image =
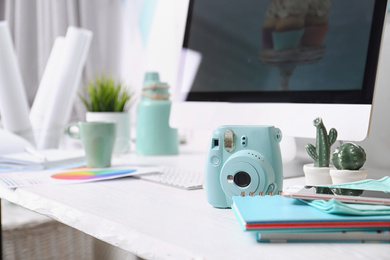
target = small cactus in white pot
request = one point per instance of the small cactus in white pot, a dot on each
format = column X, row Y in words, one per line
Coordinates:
column 317, row 173
column 348, row 160
column 321, row 152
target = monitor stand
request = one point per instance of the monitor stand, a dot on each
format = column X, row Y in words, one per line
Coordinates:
column 294, row 155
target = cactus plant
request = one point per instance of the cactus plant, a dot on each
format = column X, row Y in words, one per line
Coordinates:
column 349, row 156
column 321, row 152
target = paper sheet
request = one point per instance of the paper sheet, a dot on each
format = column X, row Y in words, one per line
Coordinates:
column 65, row 84
column 68, row 176
column 46, row 89
column 14, row 107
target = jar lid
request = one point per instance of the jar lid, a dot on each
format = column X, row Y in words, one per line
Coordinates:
column 153, row 88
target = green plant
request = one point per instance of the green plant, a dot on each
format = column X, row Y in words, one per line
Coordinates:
column 104, row 95
column 321, row 152
column 349, row 156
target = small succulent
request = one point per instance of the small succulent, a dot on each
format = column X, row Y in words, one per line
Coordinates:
column 321, row 152
column 349, row 156
column 104, row 95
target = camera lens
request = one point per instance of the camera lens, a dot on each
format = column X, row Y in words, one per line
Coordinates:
column 242, row 179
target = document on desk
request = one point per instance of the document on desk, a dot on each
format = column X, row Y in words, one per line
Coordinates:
column 44, row 159
column 68, row 176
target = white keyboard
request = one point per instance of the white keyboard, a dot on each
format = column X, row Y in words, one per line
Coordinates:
column 176, row 177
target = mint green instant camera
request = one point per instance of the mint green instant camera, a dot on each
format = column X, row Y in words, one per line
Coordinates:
column 243, row 161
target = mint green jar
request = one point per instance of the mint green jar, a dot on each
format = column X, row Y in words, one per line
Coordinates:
column 154, row 136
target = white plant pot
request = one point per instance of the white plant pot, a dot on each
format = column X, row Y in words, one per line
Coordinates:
column 316, row 175
column 345, row 176
column 122, row 120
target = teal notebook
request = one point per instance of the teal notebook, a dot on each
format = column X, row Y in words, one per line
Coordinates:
column 280, row 214
column 374, row 236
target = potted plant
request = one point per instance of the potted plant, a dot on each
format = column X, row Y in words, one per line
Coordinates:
column 108, row 100
column 348, row 160
column 318, row 172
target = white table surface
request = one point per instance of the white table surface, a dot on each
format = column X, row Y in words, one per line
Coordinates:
column 154, row 221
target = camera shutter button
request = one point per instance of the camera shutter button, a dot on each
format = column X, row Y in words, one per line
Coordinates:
column 215, row 160
column 278, row 134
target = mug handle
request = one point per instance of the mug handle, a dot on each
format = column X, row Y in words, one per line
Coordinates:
column 70, row 133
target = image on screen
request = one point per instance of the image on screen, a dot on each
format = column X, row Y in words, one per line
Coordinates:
column 322, row 51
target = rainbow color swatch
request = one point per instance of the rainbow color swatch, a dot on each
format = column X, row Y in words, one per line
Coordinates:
column 85, row 174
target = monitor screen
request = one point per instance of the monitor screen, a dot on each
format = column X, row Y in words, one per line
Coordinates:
column 294, row 51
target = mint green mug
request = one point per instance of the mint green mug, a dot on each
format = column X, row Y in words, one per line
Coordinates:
column 98, row 139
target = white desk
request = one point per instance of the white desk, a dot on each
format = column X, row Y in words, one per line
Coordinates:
column 159, row 222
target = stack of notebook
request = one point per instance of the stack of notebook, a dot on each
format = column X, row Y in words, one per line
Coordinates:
column 280, row 219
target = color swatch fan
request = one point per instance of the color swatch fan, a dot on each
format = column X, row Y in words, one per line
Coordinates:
column 90, row 174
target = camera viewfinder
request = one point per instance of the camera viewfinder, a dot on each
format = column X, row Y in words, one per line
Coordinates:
column 215, row 143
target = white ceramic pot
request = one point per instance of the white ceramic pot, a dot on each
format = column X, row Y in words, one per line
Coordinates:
column 316, row 175
column 344, row 176
column 122, row 120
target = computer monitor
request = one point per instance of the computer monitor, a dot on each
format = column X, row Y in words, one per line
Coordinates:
column 238, row 67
